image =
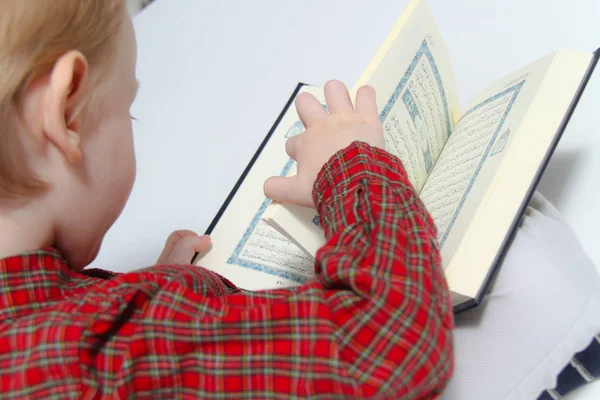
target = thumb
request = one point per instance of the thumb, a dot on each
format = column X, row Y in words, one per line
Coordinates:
column 172, row 241
column 286, row 190
column 187, row 247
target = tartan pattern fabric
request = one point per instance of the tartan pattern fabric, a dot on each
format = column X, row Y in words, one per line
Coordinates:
column 375, row 322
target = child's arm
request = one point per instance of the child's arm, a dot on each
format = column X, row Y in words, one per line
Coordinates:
column 378, row 318
column 380, row 307
column 381, row 274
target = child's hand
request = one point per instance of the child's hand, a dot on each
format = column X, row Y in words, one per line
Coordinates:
column 325, row 135
column 181, row 247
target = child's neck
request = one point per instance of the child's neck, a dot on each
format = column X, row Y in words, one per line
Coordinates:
column 22, row 230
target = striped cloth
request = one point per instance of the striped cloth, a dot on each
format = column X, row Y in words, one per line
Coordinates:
column 583, row 368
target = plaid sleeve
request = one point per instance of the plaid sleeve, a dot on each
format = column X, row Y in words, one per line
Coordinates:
column 393, row 318
column 375, row 323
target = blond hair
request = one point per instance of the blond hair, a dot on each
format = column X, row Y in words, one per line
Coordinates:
column 34, row 34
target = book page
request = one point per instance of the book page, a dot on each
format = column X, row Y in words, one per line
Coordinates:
column 516, row 173
column 480, row 136
column 300, row 224
column 418, row 104
column 519, row 115
column 416, row 92
column 246, row 250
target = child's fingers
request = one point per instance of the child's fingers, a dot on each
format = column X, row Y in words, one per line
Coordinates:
column 172, row 241
column 338, row 98
column 286, row 190
column 290, row 146
column 366, row 102
column 177, row 235
column 309, row 109
column 187, row 247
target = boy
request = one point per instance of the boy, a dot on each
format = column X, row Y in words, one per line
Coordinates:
column 375, row 322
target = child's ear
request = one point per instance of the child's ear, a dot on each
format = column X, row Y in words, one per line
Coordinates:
column 64, row 101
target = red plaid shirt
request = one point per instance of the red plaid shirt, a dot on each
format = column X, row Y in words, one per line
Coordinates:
column 375, row 321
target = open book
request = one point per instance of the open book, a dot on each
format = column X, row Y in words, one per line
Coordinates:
column 475, row 171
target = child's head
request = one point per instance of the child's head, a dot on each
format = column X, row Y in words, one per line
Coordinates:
column 67, row 81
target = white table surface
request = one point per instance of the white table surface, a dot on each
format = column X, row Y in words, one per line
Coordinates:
column 215, row 74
